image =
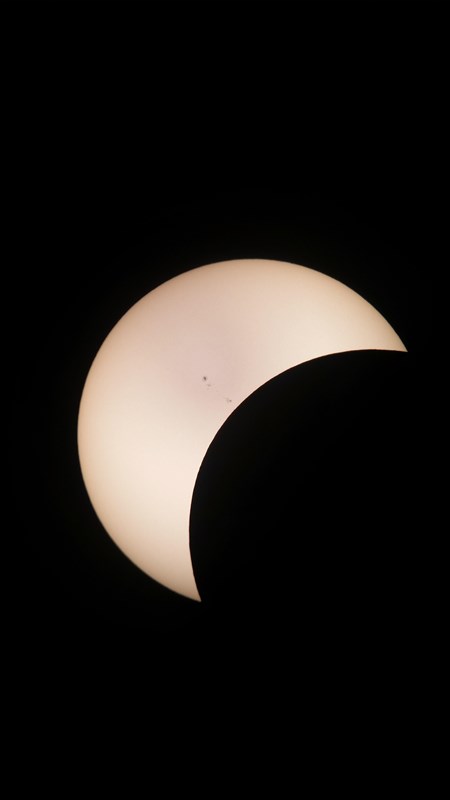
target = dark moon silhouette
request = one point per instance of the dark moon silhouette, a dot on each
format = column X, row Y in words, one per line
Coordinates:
column 305, row 500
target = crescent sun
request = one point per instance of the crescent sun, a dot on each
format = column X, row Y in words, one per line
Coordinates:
column 175, row 367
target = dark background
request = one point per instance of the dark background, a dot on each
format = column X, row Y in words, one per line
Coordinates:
column 146, row 141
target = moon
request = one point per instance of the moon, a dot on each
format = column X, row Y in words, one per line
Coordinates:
column 175, row 367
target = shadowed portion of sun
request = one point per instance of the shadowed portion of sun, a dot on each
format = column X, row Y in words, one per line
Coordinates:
column 172, row 371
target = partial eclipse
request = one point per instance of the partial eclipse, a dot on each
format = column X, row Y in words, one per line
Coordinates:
column 172, row 371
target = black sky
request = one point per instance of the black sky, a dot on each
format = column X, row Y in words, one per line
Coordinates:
column 146, row 141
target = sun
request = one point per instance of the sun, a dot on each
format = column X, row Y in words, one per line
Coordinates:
column 172, row 371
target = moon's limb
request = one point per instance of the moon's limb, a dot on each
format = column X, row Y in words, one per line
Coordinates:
column 176, row 366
